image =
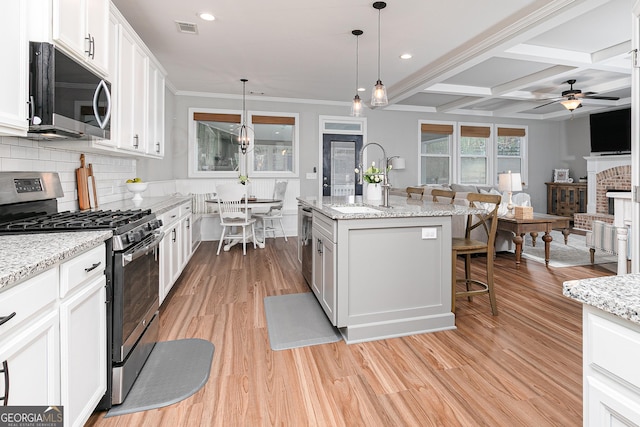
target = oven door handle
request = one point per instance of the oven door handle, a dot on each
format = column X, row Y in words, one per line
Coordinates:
column 127, row 258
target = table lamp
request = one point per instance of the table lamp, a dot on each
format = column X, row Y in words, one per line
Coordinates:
column 509, row 182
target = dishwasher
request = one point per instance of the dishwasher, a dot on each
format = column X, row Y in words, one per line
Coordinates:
column 306, row 242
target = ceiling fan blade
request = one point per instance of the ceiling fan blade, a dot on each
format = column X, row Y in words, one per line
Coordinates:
column 608, row 98
column 545, row 104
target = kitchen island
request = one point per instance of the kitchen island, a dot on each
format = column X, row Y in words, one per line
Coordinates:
column 611, row 344
column 383, row 272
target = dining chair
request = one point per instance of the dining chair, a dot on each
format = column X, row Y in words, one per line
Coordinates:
column 415, row 193
column 234, row 212
column 274, row 213
column 487, row 223
column 443, row 196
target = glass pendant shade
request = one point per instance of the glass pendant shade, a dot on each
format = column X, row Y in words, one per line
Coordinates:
column 356, row 106
column 379, row 95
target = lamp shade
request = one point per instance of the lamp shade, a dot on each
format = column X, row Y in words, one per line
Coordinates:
column 509, row 182
column 398, row 163
column 571, row 103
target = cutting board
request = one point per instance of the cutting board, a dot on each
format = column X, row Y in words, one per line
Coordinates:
column 93, row 190
column 82, row 177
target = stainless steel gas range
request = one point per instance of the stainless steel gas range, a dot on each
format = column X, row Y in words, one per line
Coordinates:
column 28, row 204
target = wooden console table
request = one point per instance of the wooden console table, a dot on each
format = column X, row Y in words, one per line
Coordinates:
column 539, row 223
column 566, row 198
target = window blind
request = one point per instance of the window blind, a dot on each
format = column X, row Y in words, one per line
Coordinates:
column 511, row 132
column 212, row 117
column 475, row 131
column 437, row 129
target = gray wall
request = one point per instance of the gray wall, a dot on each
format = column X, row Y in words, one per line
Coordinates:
column 552, row 144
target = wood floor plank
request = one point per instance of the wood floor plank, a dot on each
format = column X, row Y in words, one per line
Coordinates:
column 522, row 367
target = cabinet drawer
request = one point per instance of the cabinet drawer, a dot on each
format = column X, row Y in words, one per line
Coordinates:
column 185, row 209
column 605, row 334
column 170, row 217
column 325, row 226
column 82, row 268
column 28, row 298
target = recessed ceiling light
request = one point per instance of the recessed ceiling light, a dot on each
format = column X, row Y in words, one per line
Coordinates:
column 406, row 56
column 207, row 16
column 361, row 89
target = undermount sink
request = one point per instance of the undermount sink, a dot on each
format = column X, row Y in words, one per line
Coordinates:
column 355, row 209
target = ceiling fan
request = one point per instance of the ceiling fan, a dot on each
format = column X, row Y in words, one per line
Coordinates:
column 571, row 99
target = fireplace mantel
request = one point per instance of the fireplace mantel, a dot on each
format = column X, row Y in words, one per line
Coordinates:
column 595, row 165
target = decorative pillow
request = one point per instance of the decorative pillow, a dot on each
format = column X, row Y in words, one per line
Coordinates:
column 200, row 206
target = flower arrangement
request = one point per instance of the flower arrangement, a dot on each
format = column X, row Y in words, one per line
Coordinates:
column 243, row 179
column 373, row 175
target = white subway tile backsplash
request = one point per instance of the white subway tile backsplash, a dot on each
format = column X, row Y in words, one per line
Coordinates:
column 21, row 154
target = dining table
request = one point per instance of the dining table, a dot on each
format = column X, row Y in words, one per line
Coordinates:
column 252, row 202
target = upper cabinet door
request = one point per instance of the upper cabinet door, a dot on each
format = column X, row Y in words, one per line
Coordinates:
column 82, row 26
column 13, row 78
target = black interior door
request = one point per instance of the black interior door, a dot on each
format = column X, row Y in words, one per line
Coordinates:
column 340, row 158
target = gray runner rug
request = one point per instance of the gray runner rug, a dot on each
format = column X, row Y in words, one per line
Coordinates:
column 174, row 371
column 297, row 320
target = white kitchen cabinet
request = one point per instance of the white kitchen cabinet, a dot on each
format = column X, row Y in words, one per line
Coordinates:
column 170, row 252
column 155, row 112
column 176, row 247
column 611, row 376
column 55, row 345
column 81, row 26
column 13, row 79
column 29, row 349
column 131, row 87
column 186, row 219
column 83, row 335
column 323, row 265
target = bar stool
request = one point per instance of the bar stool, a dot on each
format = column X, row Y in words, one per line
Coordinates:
column 415, row 193
column 443, row 196
column 487, row 223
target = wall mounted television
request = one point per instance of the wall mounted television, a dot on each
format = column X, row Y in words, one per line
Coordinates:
column 611, row 132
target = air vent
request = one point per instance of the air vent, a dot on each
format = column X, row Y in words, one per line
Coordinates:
column 187, row 27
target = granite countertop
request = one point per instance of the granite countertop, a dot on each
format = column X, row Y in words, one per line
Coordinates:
column 25, row 255
column 618, row 295
column 158, row 205
column 401, row 207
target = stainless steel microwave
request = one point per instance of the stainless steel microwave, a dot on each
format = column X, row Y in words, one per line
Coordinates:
column 66, row 99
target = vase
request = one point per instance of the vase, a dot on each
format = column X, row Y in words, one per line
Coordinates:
column 374, row 194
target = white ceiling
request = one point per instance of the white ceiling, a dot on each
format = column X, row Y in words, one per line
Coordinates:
column 500, row 58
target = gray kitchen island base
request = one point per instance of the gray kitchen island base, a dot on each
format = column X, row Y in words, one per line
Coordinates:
column 384, row 275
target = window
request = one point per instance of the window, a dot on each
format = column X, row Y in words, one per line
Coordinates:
column 274, row 147
column 510, row 144
column 474, row 154
column 214, row 150
column 216, row 142
column 436, row 142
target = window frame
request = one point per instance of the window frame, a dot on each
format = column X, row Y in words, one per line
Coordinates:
column 192, row 145
column 452, row 148
column 491, row 155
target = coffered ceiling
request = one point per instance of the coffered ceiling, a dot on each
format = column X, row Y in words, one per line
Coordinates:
column 501, row 58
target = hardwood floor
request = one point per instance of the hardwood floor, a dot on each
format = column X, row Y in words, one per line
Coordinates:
column 520, row 368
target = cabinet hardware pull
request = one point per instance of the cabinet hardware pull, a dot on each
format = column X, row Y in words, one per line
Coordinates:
column 88, row 44
column 173, row 235
column 92, row 47
column 93, row 267
column 5, row 371
column 319, row 246
column 5, row 319
column 188, row 223
column 135, row 142
column 158, row 147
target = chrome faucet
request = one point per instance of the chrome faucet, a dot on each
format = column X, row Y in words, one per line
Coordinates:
column 385, row 172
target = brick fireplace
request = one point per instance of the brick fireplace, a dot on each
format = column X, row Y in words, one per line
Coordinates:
column 604, row 174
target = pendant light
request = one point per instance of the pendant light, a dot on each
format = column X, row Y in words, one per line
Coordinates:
column 379, row 94
column 243, row 134
column 356, row 106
